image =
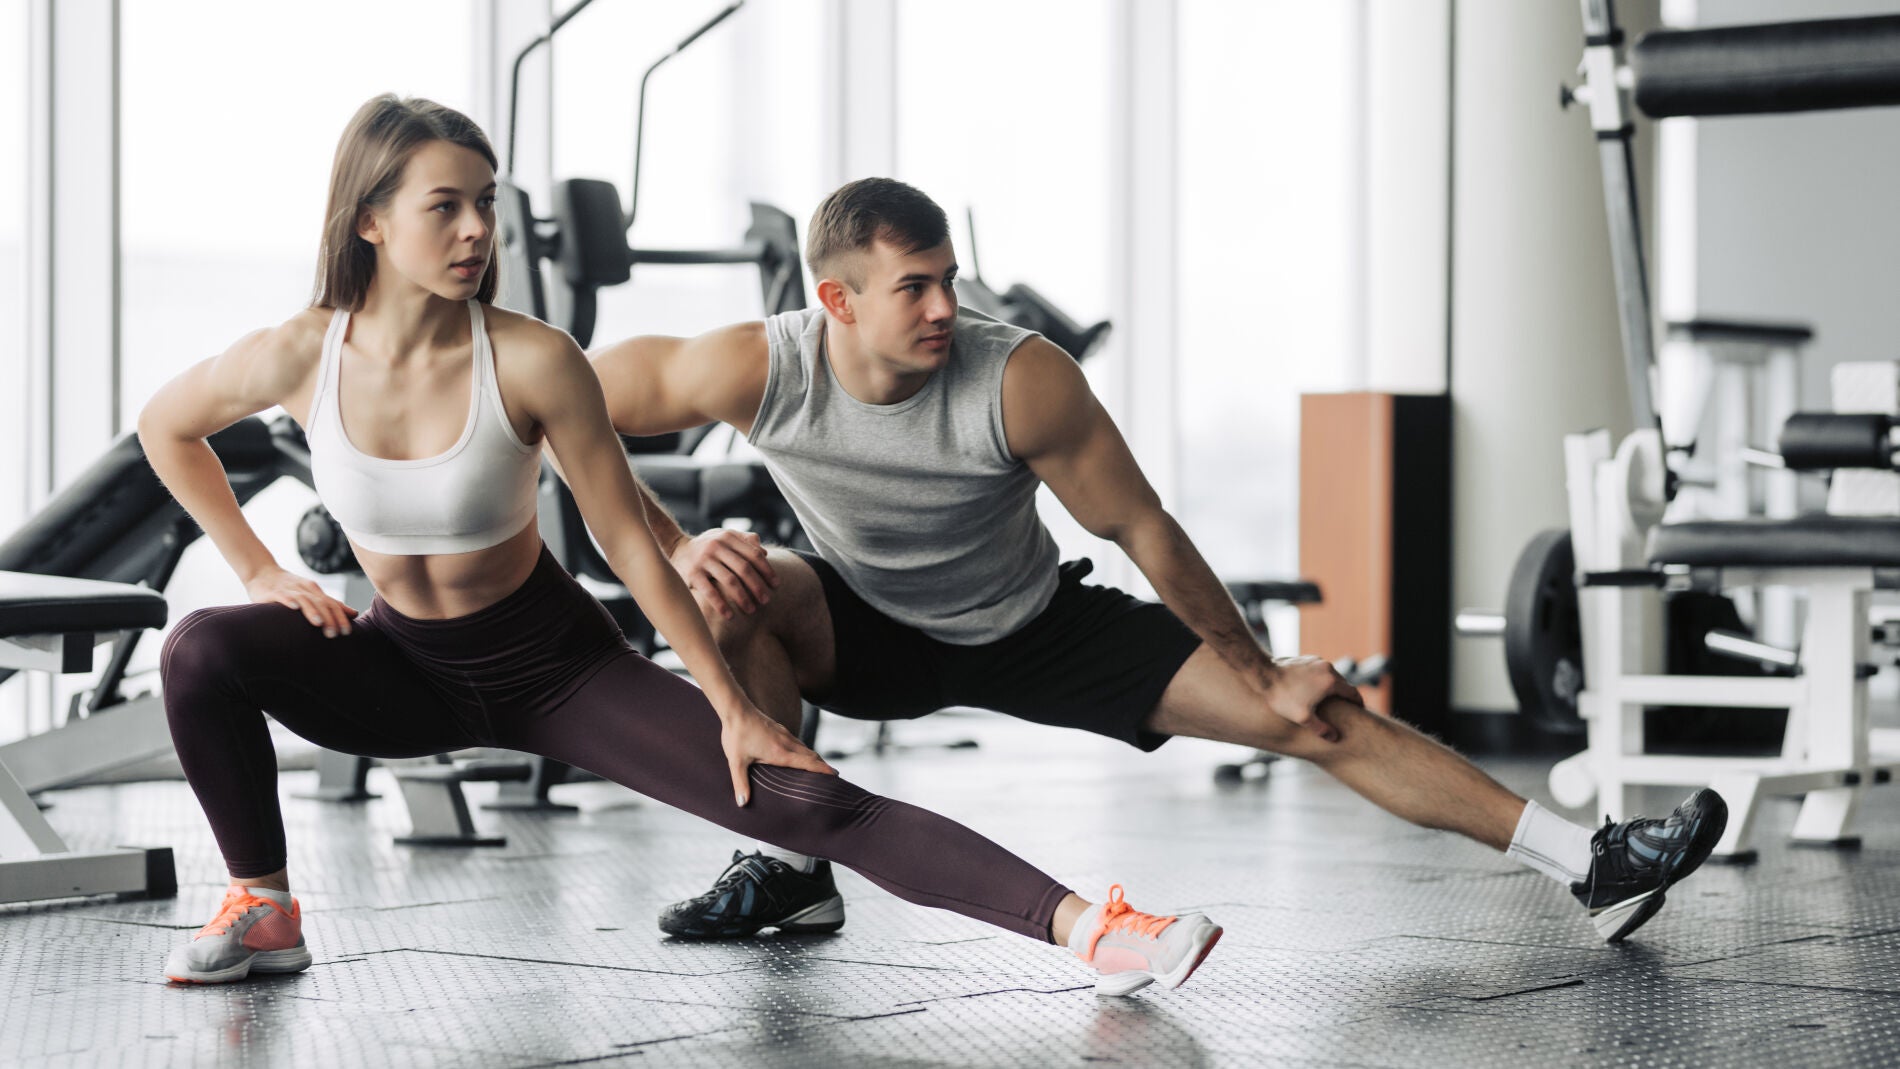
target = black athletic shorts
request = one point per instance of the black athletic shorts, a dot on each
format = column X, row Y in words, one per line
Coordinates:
column 1095, row 659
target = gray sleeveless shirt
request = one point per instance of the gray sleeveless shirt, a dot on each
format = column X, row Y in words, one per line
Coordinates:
column 918, row 504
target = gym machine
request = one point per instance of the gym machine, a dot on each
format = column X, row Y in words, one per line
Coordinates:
column 586, row 238
column 51, row 624
column 90, row 566
column 1593, row 612
column 117, row 524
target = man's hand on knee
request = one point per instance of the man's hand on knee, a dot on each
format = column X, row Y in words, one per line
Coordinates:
column 727, row 571
column 1297, row 686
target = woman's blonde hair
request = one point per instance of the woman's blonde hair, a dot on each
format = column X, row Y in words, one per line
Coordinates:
column 370, row 158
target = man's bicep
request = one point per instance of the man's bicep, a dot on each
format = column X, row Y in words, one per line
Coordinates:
column 656, row 385
column 642, row 380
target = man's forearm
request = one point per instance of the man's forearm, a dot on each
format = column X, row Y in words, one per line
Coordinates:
column 1165, row 554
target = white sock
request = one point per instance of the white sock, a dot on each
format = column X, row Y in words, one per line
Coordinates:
column 282, row 898
column 1552, row 845
column 802, row 862
column 1084, row 927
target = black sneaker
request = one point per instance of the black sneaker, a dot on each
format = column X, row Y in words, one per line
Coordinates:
column 757, row 892
column 1634, row 862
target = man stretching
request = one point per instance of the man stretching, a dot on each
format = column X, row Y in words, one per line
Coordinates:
column 910, row 440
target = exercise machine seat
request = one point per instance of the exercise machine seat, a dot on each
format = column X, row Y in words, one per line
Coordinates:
column 35, row 862
column 49, row 605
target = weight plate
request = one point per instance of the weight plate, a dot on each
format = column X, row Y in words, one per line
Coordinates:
column 321, row 543
column 1543, row 634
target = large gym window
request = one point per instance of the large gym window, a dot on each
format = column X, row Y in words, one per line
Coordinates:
column 15, row 158
column 230, row 117
column 1269, row 277
column 1028, row 153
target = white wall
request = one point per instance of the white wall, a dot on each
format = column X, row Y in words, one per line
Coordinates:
column 1535, row 348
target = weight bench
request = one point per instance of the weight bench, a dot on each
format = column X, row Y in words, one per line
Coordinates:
column 51, row 624
column 1829, row 752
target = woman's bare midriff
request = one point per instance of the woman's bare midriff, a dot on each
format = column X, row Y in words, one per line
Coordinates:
column 443, row 586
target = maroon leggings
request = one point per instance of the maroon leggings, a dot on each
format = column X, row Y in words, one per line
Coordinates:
column 546, row 671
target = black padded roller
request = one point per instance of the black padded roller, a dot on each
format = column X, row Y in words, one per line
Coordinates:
column 1813, row 441
column 1785, row 66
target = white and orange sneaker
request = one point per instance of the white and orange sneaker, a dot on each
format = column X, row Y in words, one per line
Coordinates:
column 1132, row 949
column 249, row 934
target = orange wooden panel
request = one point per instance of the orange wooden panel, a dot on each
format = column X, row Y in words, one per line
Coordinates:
column 1346, row 443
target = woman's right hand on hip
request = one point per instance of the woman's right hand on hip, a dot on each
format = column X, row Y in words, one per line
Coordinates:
column 278, row 587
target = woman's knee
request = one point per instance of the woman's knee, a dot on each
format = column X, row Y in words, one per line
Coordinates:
column 208, row 646
column 815, row 807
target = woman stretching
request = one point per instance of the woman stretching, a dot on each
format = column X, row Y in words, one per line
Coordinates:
column 426, row 409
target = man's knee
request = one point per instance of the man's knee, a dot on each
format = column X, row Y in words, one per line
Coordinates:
column 1207, row 699
column 1356, row 726
column 795, row 610
column 1360, row 729
column 736, row 633
column 1276, row 734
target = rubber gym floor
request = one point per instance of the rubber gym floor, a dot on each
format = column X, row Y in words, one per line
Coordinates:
column 1352, row 938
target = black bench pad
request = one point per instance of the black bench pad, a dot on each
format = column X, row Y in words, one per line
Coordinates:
column 1819, row 541
column 54, row 605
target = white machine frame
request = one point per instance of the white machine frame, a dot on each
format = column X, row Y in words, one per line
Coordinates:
column 1830, row 754
column 35, row 862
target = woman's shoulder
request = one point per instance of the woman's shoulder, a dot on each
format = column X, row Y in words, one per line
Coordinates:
column 523, row 338
column 299, row 338
column 295, row 344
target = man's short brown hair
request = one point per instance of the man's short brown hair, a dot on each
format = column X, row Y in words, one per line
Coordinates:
column 868, row 210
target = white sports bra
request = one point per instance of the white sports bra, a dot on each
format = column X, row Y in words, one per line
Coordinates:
column 478, row 494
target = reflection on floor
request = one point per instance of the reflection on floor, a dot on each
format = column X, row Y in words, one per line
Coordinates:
column 1352, row 938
